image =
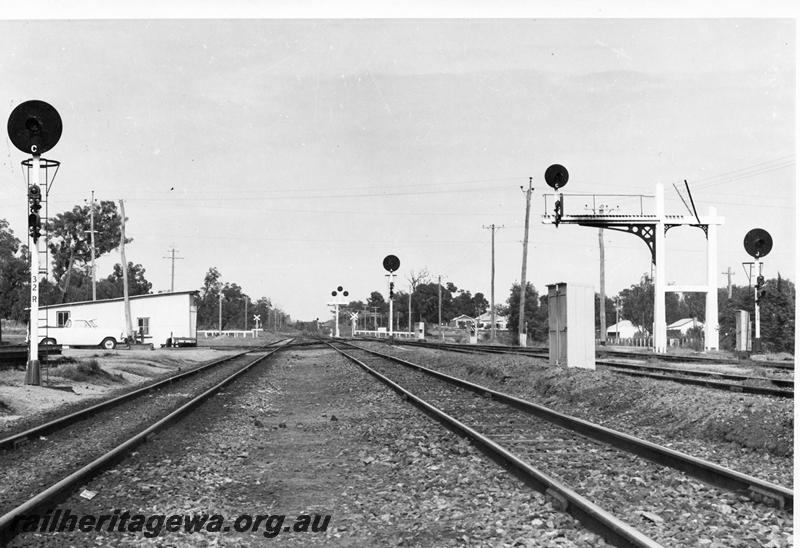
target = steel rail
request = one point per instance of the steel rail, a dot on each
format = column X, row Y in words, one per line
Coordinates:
column 629, row 369
column 589, row 514
column 542, row 352
column 12, row 441
column 701, row 469
column 696, row 372
column 8, row 521
column 708, row 383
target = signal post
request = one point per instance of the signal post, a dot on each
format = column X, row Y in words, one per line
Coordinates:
column 34, row 127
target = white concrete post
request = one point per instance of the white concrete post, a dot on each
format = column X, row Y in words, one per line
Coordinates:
column 336, row 312
column 33, row 371
column 391, row 307
column 659, row 307
column 712, row 312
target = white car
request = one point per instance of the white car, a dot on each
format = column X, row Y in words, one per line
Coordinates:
column 81, row 333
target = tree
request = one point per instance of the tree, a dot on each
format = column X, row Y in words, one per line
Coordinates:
column 376, row 304
column 425, row 302
column 112, row 286
column 535, row 314
column 70, row 241
column 14, row 274
column 422, row 276
column 208, row 302
column 611, row 314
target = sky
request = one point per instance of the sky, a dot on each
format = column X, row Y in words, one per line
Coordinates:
column 294, row 154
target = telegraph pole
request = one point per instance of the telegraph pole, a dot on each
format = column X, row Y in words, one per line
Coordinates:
column 220, row 312
column 729, row 273
column 493, row 228
column 523, row 332
column 128, row 325
column 409, row 312
column 173, row 257
column 441, row 330
column 92, row 231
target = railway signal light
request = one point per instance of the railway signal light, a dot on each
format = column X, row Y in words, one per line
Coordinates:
column 559, row 210
column 391, row 290
column 761, row 287
column 34, row 220
column 556, row 176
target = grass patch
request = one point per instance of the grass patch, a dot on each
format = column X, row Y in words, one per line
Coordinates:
column 139, row 371
column 88, row 370
column 5, row 408
column 61, row 360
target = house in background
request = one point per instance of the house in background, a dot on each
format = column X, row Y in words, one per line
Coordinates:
column 462, row 321
column 485, row 321
column 622, row 330
column 682, row 327
column 156, row 317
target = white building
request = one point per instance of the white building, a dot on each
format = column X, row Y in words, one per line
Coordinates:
column 485, row 321
column 684, row 325
column 622, row 330
column 157, row 317
column 462, row 321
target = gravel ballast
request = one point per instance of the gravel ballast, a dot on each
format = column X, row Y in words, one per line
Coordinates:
column 312, row 434
column 749, row 433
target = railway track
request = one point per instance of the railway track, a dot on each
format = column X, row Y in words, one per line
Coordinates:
column 622, row 476
column 769, row 386
column 82, row 444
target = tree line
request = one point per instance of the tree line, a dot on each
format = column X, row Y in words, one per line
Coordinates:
column 70, row 255
column 634, row 303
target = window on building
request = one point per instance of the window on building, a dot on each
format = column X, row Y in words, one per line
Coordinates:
column 62, row 318
column 143, row 325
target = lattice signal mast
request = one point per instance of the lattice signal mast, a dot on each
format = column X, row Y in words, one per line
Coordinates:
column 650, row 224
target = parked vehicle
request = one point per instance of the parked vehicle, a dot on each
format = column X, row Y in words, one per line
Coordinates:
column 81, row 333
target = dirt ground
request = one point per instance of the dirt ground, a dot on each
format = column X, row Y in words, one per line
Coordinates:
column 63, row 387
column 310, row 433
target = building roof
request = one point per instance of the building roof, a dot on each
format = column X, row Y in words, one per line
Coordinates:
column 684, row 322
column 623, row 324
column 488, row 316
column 120, row 299
column 462, row 317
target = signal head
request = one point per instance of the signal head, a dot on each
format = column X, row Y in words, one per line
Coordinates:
column 333, row 293
column 34, row 225
column 391, row 263
column 346, row 293
column 34, row 193
column 34, row 127
column 556, row 176
column 758, row 243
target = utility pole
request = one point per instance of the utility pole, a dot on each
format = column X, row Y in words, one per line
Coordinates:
column 220, row 312
column 245, row 312
column 441, row 330
column 523, row 332
column 602, row 283
column 730, row 289
column 173, row 257
column 493, row 228
column 91, row 232
column 409, row 312
column 128, row 326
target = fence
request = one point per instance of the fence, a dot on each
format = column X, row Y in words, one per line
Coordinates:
column 229, row 333
column 673, row 342
column 384, row 334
